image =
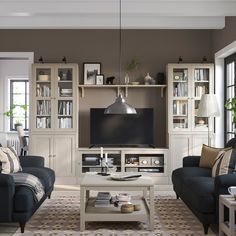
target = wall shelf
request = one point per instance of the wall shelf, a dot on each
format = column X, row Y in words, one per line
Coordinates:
column 118, row 87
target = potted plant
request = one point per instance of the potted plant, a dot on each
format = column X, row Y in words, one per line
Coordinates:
column 231, row 105
column 12, row 111
column 131, row 66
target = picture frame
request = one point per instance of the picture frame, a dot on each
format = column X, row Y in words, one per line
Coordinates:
column 99, row 79
column 91, row 69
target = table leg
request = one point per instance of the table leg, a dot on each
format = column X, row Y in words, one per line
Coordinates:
column 231, row 220
column 221, row 217
column 82, row 208
column 145, row 193
column 151, row 208
column 87, row 195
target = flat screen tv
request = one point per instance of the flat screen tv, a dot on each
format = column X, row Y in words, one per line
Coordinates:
column 121, row 130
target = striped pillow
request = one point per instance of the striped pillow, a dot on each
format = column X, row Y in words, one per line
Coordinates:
column 10, row 161
column 224, row 163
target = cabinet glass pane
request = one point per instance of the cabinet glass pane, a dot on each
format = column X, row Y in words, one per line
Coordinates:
column 201, row 81
column 43, row 82
column 65, row 84
column 199, row 122
column 201, row 86
column 180, row 114
column 43, row 116
column 65, row 112
column 180, row 82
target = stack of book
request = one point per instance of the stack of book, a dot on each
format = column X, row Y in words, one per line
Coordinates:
column 66, row 92
column 122, row 198
column 103, row 199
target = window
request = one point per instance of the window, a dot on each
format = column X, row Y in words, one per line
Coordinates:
column 19, row 99
column 230, row 86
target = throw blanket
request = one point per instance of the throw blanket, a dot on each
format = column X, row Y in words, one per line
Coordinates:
column 30, row 181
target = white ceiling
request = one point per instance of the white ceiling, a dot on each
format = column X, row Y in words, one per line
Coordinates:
column 104, row 14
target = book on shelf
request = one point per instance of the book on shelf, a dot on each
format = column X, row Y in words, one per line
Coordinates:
column 201, row 74
column 180, row 108
column 180, row 90
column 65, row 108
column 44, row 107
column 65, row 122
column 43, row 122
column 103, row 199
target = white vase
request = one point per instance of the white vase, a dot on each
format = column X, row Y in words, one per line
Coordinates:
column 126, row 78
column 147, row 79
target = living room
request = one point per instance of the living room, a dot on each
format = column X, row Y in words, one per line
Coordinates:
column 136, row 51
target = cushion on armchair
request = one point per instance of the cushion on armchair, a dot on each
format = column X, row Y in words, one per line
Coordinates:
column 209, row 154
column 10, row 161
column 225, row 163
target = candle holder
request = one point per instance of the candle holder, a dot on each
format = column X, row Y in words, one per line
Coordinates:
column 104, row 164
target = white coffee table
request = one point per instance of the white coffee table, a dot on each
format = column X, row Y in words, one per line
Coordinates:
column 92, row 181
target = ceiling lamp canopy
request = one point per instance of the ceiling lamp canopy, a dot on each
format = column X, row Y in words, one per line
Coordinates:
column 120, row 107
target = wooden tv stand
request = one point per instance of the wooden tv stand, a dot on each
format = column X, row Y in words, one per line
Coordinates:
column 146, row 161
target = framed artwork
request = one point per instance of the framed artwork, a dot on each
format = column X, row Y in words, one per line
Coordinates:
column 99, row 79
column 90, row 71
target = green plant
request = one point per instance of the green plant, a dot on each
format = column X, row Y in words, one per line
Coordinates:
column 231, row 105
column 11, row 112
column 133, row 64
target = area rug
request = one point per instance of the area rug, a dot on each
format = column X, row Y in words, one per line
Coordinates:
column 60, row 216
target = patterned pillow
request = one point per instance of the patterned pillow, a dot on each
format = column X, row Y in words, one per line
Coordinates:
column 10, row 161
column 224, row 163
column 209, row 154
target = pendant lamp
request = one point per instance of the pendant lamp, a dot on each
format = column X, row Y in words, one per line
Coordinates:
column 120, row 106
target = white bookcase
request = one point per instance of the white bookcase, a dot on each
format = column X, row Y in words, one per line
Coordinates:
column 54, row 99
column 187, row 132
column 54, row 119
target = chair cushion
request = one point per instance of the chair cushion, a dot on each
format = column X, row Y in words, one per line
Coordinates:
column 10, row 161
column 209, row 154
column 46, row 175
column 23, row 199
column 225, row 163
column 199, row 193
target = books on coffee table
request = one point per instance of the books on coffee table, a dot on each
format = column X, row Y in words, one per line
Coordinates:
column 103, row 199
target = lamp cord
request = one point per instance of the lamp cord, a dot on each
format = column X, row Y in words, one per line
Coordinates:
column 120, row 37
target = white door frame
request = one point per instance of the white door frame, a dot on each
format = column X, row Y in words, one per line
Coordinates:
column 219, row 89
column 29, row 56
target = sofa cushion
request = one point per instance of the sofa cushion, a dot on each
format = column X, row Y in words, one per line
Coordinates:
column 46, row 175
column 199, row 193
column 23, row 199
column 10, row 161
column 180, row 174
column 209, row 154
column 225, row 163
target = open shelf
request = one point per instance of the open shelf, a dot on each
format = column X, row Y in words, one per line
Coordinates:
column 122, row 86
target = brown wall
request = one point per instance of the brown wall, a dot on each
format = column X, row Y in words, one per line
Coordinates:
column 154, row 49
column 224, row 37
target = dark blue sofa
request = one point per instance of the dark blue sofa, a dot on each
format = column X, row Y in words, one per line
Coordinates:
column 199, row 191
column 17, row 204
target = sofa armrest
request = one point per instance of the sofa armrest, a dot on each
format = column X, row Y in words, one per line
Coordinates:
column 222, row 182
column 191, row 161
column 7, row 191
column 31, row 161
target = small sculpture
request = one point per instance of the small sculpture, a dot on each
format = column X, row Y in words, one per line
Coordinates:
column 180, row 59
column 110, row 79
column 147, row 79
column 204, row 59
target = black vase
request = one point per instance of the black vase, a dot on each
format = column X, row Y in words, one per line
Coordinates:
column 160, row 78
